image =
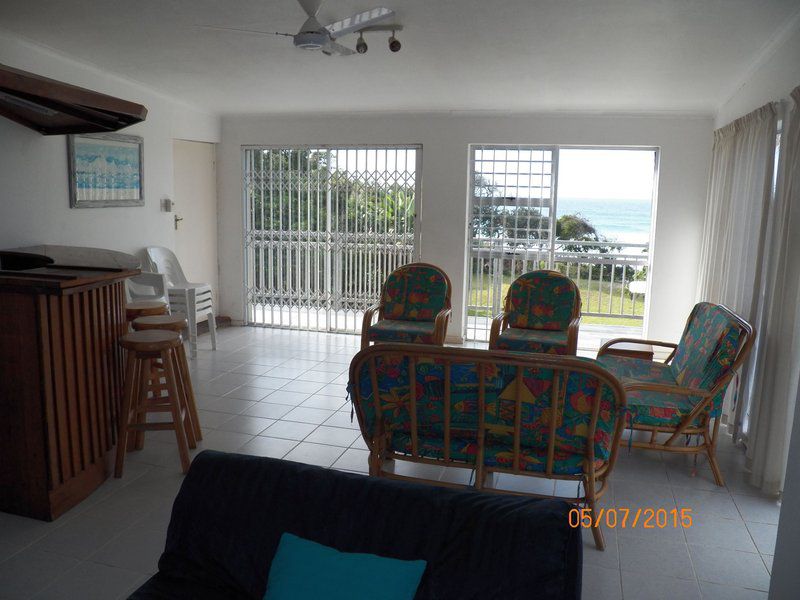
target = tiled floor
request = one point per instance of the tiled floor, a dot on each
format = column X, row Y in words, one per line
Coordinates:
column 282, row 394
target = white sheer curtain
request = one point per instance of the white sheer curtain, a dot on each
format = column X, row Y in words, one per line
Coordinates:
column 775, row 369
column 736, row 221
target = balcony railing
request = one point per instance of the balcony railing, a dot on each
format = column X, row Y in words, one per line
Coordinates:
column 611, row 277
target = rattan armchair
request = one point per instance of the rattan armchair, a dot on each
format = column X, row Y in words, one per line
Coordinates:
column 414, row 307
column 682, row 395
column 542, row 314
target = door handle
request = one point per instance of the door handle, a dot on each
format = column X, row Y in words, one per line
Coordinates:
column 177, row 220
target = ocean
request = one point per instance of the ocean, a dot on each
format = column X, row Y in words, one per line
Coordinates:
column 620, row 220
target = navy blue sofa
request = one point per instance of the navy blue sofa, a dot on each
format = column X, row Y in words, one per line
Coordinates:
column 232, row 509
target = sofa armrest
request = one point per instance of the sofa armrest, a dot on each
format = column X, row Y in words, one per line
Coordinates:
column 440, row 326
column 499, row 323
column 611, row 343
column 367, row 323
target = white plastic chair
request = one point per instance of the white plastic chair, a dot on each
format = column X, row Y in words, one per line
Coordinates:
column 147, row 286
column 192, row 299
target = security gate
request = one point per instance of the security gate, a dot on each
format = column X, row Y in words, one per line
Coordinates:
column 324, row 226
column 512, row 224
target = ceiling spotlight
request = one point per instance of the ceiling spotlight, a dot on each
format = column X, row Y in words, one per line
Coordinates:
column 361, row 45
column 394, row 44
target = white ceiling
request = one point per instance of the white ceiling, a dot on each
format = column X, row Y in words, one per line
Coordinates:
column 514, row 55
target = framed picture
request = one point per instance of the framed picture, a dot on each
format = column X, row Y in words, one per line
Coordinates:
column 105, row 169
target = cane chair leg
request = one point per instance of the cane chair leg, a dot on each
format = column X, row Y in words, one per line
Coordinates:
column 711, row 451
column 589, row 489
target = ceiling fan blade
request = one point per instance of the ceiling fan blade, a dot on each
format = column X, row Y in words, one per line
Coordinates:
column 310, row 6
column 332, row 48
column 359, row 21
column 239, row 30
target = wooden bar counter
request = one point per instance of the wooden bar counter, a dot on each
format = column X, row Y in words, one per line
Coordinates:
column 60, row 381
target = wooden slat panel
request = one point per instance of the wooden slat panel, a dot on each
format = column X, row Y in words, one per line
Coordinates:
column 101, row 398
column 79, row 372
column 96, row 451
column 69, row 381
column 62, row 420
column 53, row 468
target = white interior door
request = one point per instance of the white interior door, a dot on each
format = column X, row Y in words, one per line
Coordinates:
column 195, row 197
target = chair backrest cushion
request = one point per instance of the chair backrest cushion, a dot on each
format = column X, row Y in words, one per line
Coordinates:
column 577, row 393
column 163, row 260
column 414, row 292
column 708, row 348
column 542, row 300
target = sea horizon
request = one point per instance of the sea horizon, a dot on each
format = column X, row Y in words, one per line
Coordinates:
column 618, row 220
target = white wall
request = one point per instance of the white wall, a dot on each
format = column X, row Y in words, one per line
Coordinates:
column 685, row 144
column 34, row 196
column 772, row 77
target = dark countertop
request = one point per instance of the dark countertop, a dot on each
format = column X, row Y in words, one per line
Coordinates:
column 53, row 269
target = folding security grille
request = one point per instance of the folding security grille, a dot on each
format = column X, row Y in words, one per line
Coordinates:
column 324, row 226
column 512, row 223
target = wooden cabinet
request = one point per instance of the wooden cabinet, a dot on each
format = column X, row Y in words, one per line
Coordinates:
column 60, row 384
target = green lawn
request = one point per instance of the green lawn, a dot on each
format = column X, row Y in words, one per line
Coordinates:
column 594, row 300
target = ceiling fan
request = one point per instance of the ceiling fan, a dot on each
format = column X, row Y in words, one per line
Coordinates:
column 314, row 36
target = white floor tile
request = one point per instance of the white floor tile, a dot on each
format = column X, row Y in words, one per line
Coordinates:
column 290, row 430
column 92, row 581
column 334, row 436
column 652, row 586
column 31, row 571
column 135, row 549
column 729, row 567
column 764, row 535
column 667, row 558
column 268, row 410
column 308, row 415
column 715, row 591
column 315, row 454
column 601, row 584
column 268, row 446
column 758, row 509
column 353, row 460
column 246, row 424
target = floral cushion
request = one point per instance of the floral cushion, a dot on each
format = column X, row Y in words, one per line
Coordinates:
column 533, row 340
column 541, row 300
column 499, row 456
column 573, row 417
column 392, row 378
column 707, row 348
column 419, row 332
column 414, row 293
column 651, row 408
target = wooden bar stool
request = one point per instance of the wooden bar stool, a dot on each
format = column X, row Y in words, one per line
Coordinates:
column 175, row 322
column 144, row 392
column 143, row 308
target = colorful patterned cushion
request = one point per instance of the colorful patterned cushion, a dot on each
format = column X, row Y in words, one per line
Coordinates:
column 498, row 455
column 392, row 375
column 651, row 408
column 414, row 293
column 419, row 332
column 707, row 348
column 541, row 300
column 533, row 340
column 573, row 417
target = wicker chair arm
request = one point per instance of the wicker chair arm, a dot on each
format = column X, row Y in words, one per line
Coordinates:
column 440, row 325
column 499, row 323
column 367, row 323
column 665, row 389
column 572, row 335
column 611, row 343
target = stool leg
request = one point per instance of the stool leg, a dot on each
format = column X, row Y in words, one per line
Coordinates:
column 183, row 369
column 183, row 401
column 177, row 420
column 125, row 413
column 146, row 369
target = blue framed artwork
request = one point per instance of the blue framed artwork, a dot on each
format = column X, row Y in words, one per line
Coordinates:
column 105, row 169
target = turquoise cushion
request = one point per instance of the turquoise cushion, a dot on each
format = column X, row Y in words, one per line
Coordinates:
column 303, row 570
